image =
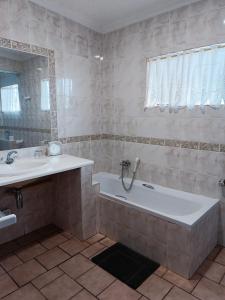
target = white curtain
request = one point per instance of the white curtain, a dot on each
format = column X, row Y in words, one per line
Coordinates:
column 45, row 96
column 10, row 102
column 187, row 79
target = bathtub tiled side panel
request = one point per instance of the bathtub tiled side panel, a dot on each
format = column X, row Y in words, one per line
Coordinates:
column 88, row 203
column 204, row 237
column 172, row 245
column 178, row 244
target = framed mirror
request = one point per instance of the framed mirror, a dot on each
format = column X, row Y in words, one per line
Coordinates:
column 28, row 115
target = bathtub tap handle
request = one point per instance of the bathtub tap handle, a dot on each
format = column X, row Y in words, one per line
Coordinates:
column 221, row 182
column 125, row 163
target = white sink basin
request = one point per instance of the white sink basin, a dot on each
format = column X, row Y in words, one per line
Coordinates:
column 22, row 166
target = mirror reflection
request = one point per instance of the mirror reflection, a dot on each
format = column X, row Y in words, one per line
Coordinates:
column 24, row 100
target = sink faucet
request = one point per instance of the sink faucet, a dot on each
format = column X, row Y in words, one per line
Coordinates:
column 10, row 159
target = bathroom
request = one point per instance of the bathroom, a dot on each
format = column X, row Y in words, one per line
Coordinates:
column 66, row 211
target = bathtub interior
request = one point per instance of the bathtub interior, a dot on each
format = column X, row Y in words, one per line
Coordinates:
column 173, row 205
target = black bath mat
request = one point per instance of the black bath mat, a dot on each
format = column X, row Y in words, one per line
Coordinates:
column 125, row 264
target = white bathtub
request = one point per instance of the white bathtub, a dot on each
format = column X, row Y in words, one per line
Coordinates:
column 172, row 205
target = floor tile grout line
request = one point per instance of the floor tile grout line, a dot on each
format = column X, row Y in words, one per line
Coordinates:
column 170, row 289
column 68, row 252
column 49, row 281
column 38, row 290
column 18, row 287
column 79, row 253
column 75, row 279
column 174, row 284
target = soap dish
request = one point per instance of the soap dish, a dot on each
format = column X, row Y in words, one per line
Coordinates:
column 7, row 218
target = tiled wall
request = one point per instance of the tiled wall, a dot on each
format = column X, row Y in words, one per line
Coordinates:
column 124, row 69
column 77, row 71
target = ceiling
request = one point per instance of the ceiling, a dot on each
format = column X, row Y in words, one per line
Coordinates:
column 108, row 15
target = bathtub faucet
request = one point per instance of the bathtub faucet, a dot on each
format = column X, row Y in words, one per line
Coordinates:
column 125, row 163
column 125, row 167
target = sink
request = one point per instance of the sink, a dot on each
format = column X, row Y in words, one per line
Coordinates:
column 21, row 166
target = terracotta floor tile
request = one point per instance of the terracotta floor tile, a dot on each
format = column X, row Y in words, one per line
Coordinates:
column 2, row 271
column 84, row 295
column 209, row 290
column 47, row 277
column 7, row 285
column 52, row 258
column 107, row 242
column 119, row 290
column 93, row 250
column 155, row 287
column 76, row 266
column 73, row 246
column 95, row 238
column 10, row 262
column 214, row 252
column 28, row 292
column 178, row 294
column 160, row 271
column 54, row 241
column 223, row 281
column 185, row 284
column 212, row 270
column 27, row 272
column 68, row 235
column 221, row 257
column 62, row 288
column 30, row 252
column 96, row 280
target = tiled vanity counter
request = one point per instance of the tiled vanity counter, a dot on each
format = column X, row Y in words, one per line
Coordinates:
column 60, row 193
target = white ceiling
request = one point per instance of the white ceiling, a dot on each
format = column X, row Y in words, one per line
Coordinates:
column 108, row 15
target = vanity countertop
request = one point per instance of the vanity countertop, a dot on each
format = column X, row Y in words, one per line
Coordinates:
column 50, row 165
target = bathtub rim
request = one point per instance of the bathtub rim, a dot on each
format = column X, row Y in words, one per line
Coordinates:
column 211, row 202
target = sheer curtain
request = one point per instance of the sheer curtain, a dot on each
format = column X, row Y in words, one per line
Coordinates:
column 187, row 79
column 10, row 102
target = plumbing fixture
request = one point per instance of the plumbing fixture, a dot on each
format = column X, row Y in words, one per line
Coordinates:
column 222, row 185
column 19, row 197
column 125, row 198
column 125, row 167
column 149, row 186
column 11, row 157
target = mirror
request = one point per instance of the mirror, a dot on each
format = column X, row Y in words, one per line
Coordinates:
column 24, row 99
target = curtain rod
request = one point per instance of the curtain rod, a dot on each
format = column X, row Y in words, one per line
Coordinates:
column 183, row 52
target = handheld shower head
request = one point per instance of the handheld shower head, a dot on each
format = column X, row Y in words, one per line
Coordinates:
column 137, row 163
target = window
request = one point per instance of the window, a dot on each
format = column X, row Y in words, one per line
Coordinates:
column 10, row 102
column 45, row 96
column 187, row 79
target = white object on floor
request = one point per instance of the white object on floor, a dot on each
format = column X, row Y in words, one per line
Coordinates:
column 7, row 219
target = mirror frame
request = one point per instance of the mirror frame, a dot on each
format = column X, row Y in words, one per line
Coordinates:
column 50, row 55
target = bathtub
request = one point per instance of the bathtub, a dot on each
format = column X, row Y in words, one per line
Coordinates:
column 174, row 228
column 173, row 205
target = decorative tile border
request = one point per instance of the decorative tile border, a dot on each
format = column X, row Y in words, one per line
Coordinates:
column 49, row 54
column 148, row 140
